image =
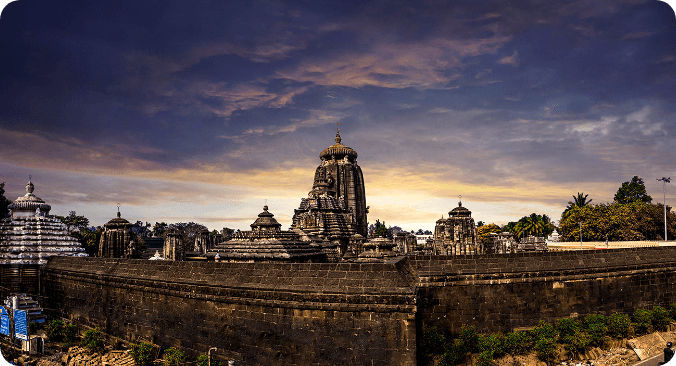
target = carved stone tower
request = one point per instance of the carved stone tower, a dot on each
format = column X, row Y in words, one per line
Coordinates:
column 118, row 241
column 340, row 173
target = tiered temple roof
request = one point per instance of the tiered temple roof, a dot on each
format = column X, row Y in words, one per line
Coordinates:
column 267, row 243
column 31, row 236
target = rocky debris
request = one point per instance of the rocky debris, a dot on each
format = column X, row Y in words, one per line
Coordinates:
column 117, row 358
column 78, row 356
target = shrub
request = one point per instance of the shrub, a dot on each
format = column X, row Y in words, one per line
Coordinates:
column 546, row 348
column 140, row 353
column 468, row 339
column 33, row 327
column 672, row 311
column 518, row 342
column 619, row 325
column 642, row 321
column 454, row 355
column 485, row 358
column 567, row 328
column 597, row 328
column 173, row 356
column 92, row 340
column 117, row 343
column 432, row 342
column 493, row 342
column 203, row 360
column 54, row 330
column 660, row 318
column 579, row 342
column 544, row 329
column 69, row 333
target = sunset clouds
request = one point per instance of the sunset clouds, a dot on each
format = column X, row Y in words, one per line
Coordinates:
column 200, row 111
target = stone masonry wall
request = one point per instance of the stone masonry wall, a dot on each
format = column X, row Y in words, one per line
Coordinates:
column 507, row 291
column 357, row 314
column 260, row 314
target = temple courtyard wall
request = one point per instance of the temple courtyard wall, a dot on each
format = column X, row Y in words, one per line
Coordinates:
column 348, row 313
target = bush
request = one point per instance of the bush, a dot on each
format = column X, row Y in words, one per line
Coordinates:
column 660, row 318
column 69, row 333
column 140, row 353
column 454, row 355
column 54, row 330
column 619, row 325
column 597, row 328
column 579, row 342
column 544, row 329
column 468, row 339
column 173, row 356
column 33, row 327
column 642, row 321
column 117, row 343
column 203, row 360
column 672, row 311
column 568, row 329
column 92, row 340
column 493, row 343
column 546, row 348
column 432, row 342
column 485, row 358
column 518, row 342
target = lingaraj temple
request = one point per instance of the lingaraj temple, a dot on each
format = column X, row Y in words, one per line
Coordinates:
column 329, row 225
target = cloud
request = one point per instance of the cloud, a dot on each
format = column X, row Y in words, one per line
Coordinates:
column 511, row 60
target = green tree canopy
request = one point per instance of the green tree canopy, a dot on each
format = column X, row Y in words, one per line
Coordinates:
column 484, row 230
column 534, row 224
column 380, row 230
column 631, row 191
column 578, row 201
column 74, row 222
column 615, row 221
column 4, row 202
column 159, row 228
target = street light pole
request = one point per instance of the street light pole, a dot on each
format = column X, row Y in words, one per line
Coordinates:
column 209, row 355
column 580, row 235
column 664, row 193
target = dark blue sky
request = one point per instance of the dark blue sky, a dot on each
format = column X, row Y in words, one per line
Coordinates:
column 202, row 110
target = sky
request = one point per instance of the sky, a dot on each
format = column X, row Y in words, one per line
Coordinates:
column 205, row 111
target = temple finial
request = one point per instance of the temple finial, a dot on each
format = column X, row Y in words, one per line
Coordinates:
column 338, row 139
column 118, row 209
column 459, row 200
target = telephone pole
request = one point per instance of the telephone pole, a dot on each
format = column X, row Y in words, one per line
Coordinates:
column 664, row 193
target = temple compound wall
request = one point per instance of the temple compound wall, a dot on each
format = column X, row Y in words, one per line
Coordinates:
column 348, row 313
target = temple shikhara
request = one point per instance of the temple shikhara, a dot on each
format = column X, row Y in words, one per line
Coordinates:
column 28, row 239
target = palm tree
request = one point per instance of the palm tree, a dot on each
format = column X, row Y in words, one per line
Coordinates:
column 579, row 201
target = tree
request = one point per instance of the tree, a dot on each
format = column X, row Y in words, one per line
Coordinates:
column 4, row 202
column 380, row 230
column 188, row 231
column 74, row 222
column 632, row 191
column 142, row 230
column 579, row 201
column 484, row 230
column 534, row 224
column 159, row 228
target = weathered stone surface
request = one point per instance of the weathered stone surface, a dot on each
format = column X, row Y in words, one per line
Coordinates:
column 348, row 313
column 457, row 234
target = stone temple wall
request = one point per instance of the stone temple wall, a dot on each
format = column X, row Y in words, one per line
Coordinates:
column 262, row 314
column 348, row 313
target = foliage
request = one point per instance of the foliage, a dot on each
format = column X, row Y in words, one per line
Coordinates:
column 74, row 222
column 619, row 325
column 159, row 228
column 484, row 230
column 92, row 340
column 568, row 329
column 454, row 355
column 579, row 341
column 546, row 348
column 616, row 221
column 379, row 230
column 579, row 201
column 672, row 311
column 203, row 360
column 642, row 320
column 140, row 353
column 536, row 225
column 468, row 338
column 660, row 318
column 490, row 346
column 173, row 356
column 4, row 202
column 432, row 342
column 69, row 333
column 596, row 326
column 485, row 358
column 54, row 330
column 632, row 191
column 89, row 239
column 187, row 231
column 141, row 229
column 518, row 342
column 423, row 232
column 33, row 327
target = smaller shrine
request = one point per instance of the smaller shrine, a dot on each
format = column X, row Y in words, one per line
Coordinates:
column 118, row 240
column 266, row 242
column 457, row 234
